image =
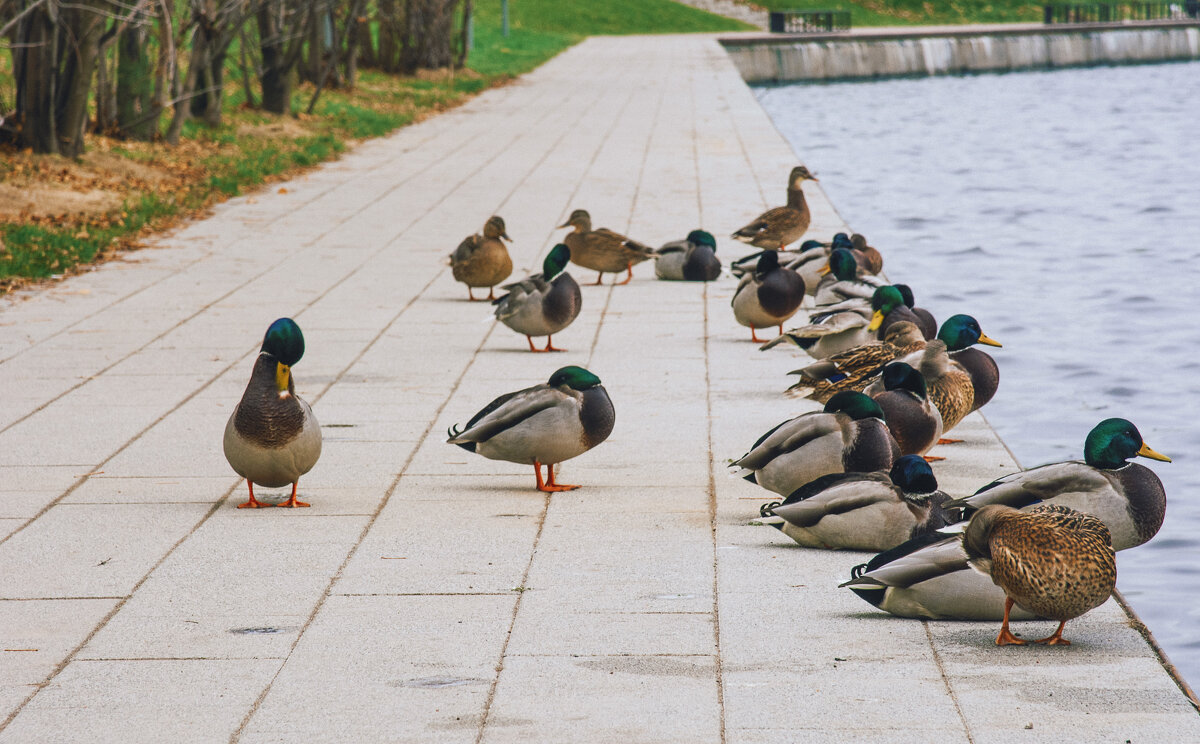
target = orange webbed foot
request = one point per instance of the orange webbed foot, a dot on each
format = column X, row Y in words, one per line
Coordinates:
column 1006, row 638
column 932, row 458
column 944, row 440
column 253, row 503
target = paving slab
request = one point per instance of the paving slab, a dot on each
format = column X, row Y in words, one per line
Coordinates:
column 430, row 594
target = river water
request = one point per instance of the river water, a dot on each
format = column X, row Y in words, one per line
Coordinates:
column 1062, row 209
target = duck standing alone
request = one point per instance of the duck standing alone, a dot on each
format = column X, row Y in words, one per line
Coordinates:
column 482, row 260
column 542, row 425
column 542, row 304
column 781, row 226
column 602, row 249
column 767, row 297
column 272, row 437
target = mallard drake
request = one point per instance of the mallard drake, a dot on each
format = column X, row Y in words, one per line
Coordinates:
column 543, row 304
column 768, row 297
column 949, row 384
column 272, row 437
column 603, row 250
column 778, row 227
column 863, row 511
column 1056, row 562
column 810, row 261
column 838, row 328
column 842, row 281
column 693, row 259
column 924, row 318
column 854, row 368
column 482, row 260
column 847, row 436
column 929, row 577
column 542, row 425
column 911, row 417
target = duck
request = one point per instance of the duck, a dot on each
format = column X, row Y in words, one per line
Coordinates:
column 272, row 437
column 863, row 511
column 961, row 337
column 949, row 384
column 854, row 368
column 848, row 435
column 913, row 419
column 924, row 319
column 781, row 226
column 603, row 250
column 768, row 297
column 841, row 282
column 546, row 424
column 482, row 260
column 870, row 261
column 542, row 304
column 810, row 261
column 929, row 577
column 1056, row 562
column 840, row 327
column 693, row 259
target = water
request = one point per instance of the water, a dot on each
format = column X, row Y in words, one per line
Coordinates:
column 1062, row 209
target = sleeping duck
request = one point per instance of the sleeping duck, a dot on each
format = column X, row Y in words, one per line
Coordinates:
column 693, row 259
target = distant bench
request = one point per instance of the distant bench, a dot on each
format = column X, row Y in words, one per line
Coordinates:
column 808, row 21
column 1119, row 12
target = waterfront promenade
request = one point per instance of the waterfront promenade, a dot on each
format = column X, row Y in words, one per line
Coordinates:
column 430, row 595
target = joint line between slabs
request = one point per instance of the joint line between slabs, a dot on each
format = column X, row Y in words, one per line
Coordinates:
column 937, row 659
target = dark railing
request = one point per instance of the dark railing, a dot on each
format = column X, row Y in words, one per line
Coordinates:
column 809, row 21
column 1118, row 12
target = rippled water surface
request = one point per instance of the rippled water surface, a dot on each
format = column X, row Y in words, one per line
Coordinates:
column 1062, row 209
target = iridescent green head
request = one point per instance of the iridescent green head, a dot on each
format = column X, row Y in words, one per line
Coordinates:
column 767, row 262
column 1113, row 441
column 843, row 265
column 962, row 331
column 855, row 405
column 576, row 378
column 913, row 475
column 808, row 245
column 841, row 240
column 284, row 341
column 884, row 300
column 900, row 376
column 700, row 237
column 556, row 261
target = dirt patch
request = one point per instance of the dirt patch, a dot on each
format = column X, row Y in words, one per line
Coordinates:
column 283, row 127
column 18, row 203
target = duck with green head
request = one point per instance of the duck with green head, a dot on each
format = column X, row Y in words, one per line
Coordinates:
column 693, row 259
column 848, row 324
column 862, row 511
column 848, row 435
column 809, row 261
column 482, row 260
column 542, row 425
column 272, row 437
column 930, row 577
column 544, row 303
column 768, row 297
column 841, row 282
column 781, row 226
column 602, row 249
column 913, row 419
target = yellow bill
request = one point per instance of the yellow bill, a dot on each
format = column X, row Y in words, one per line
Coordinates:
column 876, row 321
column 1145, row 451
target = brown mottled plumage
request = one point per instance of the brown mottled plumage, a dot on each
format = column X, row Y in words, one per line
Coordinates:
column 1051, row 560
column 781, row 226
column 858, row 365
column 603, row 250
column 948, row 384
column 482, row 260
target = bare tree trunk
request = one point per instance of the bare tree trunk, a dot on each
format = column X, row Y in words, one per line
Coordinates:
column 81, row 29
column 464, row 41
column 183, row 89
column 35, row 72
column 357, row 31
column 390, row 23
column 428, row 30
column 282, row 26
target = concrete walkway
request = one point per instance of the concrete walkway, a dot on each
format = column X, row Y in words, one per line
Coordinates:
column 431, row 595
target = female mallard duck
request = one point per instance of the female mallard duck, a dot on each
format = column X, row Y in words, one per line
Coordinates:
column 863, row 511
column 930, row 578
column 272, row 437
column 847, row 436
column 848, row 324
column 869, row 259
column 950, row 385
column 768, row 297
column 603, row 250
column 543, row 304
column 842, row 281
column 854, row 368
column 693, row 259
column 776, row 228
column 542, row 425
column 482, row 260
column 913, row 420
column 1056, row 562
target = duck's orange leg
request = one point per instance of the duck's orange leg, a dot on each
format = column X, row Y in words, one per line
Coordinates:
column 754, row 335
column 550, row 346
column 1006, row 638
column 1056, row 639
column 629, row 274
column 470, row 293
column 292, row 502
column 551, row 485
column 253, row 503
column 932, row 458
column 944, row 440
column 531, row 346
column 491, row 293
column 598, row 278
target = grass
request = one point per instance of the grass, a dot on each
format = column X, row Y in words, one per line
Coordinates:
column 918, row 12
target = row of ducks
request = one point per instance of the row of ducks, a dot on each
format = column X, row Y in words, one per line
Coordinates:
column 854, row 475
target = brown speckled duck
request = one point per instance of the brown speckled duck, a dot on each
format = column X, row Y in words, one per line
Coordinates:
column 482, row 260
column 602, row 249
column 781, row 226
column 1052, row 560
column 854, row 368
